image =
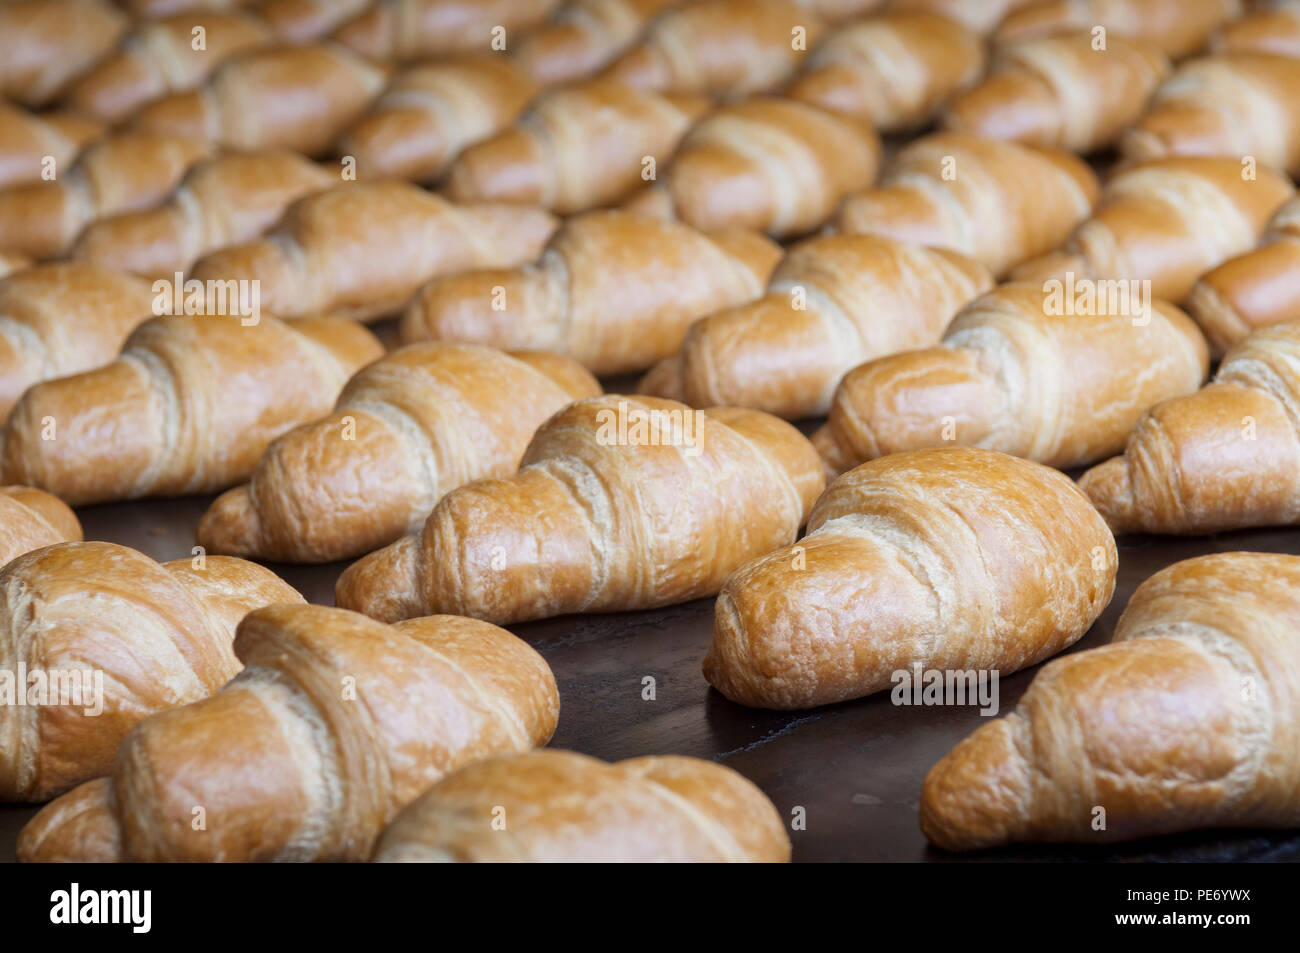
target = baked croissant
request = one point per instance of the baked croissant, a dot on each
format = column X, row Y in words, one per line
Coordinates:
column 563, row 807
column 1273, row 28
column 64, row 318
column 997, row 202
column 1253, row 290
column 1235, row 104
column 583, row 36
column 1023, row 372
column 1185, row 721
column 1167, row 221
column 301, row 21
column 222, row 201
column 116, row 637
column 390, row 30
column 297, row 97
column 407, row 429
column 32, row 519
column 833, row 302
column 1176, row 26
column 620, row 503
column 430, row 112
column 27, row 140
column 189, row 407
column 809, row 159
column 360, row 250
column 614, row 291
column 982, row 16
column 954, row 559
column 721, row 48
column 1223, row 458
column 336, row 723
column 576, row 148
column 893, row 71
column 161, row 57
column 45, row 44
column 1062, row 92
column 122, row 173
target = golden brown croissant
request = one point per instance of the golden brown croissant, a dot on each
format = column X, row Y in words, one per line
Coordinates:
column 982, row 16
column 64, row 318
column 27, row 141
column 893, row 71
column 1272, row 28
column 336, row 723
column 98, row 636
column 997, row 202
column 1253, row 290
column 1186, row 720
column 430, row 112
column 301, row 21
column 1024, row 371
column 161, row 57
column 561, row 807
column 721, row 48
column 620, row 503
column 32, row 519
column 583, row 36
column 775, row 165
column 123, row 173
column 614, row 291
column 222, row 201
column 576, row 148
column 189, row 407
column 361, row 249
column 833, row 302
column 1223, row 458
column 406, row 29
column 1237, row 105
column 1062, row 92
column 946, row 560
column 1167, row 221
column 407, row 429
column 299, row 98
column 1176, row 26
column 45, row 44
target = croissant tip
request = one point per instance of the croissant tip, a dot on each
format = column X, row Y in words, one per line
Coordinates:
column 230, row 525
column 382, row 584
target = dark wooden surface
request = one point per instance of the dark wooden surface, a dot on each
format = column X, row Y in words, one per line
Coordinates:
column 855, row 768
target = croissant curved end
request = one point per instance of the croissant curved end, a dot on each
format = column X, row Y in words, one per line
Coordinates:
column 78, row 827
column 1109, row 486
column 382, row 585
column 978, row 795
column 231, row 526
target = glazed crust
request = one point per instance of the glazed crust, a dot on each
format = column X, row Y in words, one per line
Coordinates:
column 1186, row 721
column 582, row 36
column 45, row 44
column 1175, row 26
column 426, row 29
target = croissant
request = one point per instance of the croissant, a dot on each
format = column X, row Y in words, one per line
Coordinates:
column 1167, row 221
column 809, row 159
column 302, row 21
column 614, row 291
column 1233, row 104
column 956, row 560
column 336, row 723
column 28, row 140
column 893, row 71
column 1253, row 290
column 123, row 173
column 61, row 319
column 563, row 807
column 1176, row 26
column 98, row 636
column 721, row 48
column 832, row 303
column 409, row 29
column 1185, row 721
column 298, row 98
column 982, row 16
column 32, row 519
column 1274, row 28
column 161, row 57
column 429, row 113
column 576, row 148
column 407, row 429
column 620, row 503
column 188, row 408
column 1062, row 92
column 1024, row 372
column 997, row 202
column 45, row 44
column 222, row 201
column 361, row 249
column 583, row 36
column 1223, row 458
